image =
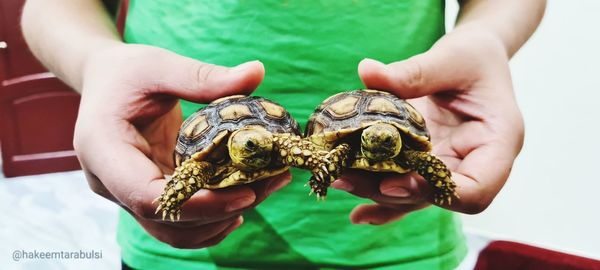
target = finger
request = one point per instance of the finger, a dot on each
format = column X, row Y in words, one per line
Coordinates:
column 205, row 206
column 220, row 237
column 193, row 237
column 360, row 183
column 196, row 81
column 136, row 181
column 480, row 176
column 266, row 187
column 101, row 155
column 376, row 214
column 391, row 188
column 421, row 75
column 399, row 186
column 210, row 205
column 400, row 189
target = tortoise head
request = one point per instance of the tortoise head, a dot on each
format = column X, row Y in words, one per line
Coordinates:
column 250, row 148
column 380, row 142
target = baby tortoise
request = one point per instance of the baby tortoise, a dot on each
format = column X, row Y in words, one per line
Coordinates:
column 235, row 140
column 376, row 131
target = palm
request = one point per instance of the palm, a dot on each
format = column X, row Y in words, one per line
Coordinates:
column 475, row 124
column 453, row 133
column 475, row 136
column 161, row 135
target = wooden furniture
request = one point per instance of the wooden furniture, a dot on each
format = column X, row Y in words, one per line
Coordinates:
column 37, row 111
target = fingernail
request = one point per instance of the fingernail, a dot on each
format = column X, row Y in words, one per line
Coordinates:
column 375, row 62
column 239, row 204
column 242, row 67
column 396, row 192
column 278, row 184
column 342, row 185
column 236, row 224
column 362, row 221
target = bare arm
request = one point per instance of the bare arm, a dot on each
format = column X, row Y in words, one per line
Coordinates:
column 512, row 22
column 63, row 34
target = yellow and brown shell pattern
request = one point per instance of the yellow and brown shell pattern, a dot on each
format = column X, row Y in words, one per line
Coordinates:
column 344, row 113
column 202, row 132
column 341, row 117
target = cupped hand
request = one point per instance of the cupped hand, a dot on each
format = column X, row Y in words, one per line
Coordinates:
column 126, row 130
column 462, row 86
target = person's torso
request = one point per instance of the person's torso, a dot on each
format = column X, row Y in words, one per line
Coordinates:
column 310, row 50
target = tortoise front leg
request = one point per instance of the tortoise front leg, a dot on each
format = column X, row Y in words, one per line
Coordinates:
column 295, row 151
column 336, row 161
column 187, row 179
column 433, row 170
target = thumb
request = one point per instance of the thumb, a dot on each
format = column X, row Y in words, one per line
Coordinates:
column 202, row 82
column 424, row 74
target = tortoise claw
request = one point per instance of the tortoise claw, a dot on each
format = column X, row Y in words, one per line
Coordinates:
column 186, row 180
column 156, row 200
column 324, row 168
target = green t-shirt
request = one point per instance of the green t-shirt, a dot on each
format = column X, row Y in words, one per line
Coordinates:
column 310, row 50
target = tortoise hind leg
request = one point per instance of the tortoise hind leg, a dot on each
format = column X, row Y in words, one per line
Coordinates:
column 187, row 179
column 434, row 171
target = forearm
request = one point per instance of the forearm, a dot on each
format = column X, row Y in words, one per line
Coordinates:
column 63, row 34
column 512, row 22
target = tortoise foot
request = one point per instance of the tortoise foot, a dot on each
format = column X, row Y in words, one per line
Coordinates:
column 318, row 187
column 337, row 160
column 435, row 173
column 185, row 181
column 329, row 170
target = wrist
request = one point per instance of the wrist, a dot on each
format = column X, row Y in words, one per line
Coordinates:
column 97, row 59
column 477, row 37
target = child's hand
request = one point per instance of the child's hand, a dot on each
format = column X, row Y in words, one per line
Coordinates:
column 462, row 86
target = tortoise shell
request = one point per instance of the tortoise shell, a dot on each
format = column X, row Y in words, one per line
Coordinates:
column 203, row 135
column 346, row 113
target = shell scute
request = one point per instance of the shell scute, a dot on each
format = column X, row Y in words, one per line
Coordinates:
column 345, row 113
column 209, row 127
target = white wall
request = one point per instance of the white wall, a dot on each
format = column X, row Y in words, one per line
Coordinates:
column 552, row 198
